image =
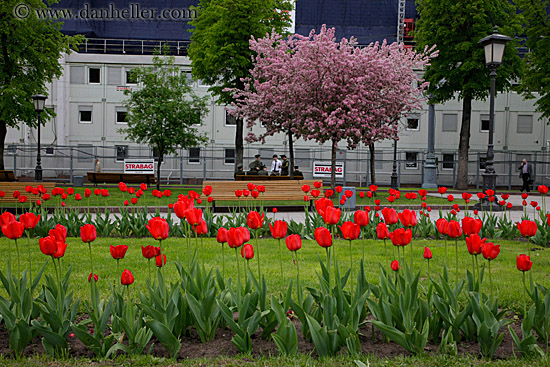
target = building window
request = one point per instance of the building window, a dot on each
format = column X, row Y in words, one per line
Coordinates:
column 131, row 77
column 413, row 123
column 188, row 76
column 94, row 75
column 194, row 155
column 12, row 149
column 450, row 122
column 50, row 151
column 411, row 160
column 525, row 124
column 77, row 74
column 85, row 153
column 448, row 161
column 229, row 156
column 85, row 114
column 484, row 123
column 121, row 152
column 230, row 120
column 113, row 75
column 121, row 115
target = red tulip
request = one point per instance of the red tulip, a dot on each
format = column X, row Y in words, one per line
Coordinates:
column 127, row 278
column 122, row 187
column 411, row 195
column 395, row 265
column 329, row 193
column 159, row 228
column 343, row 201
column 118, row 252
column 126, row 203
column 143, row 187
column 210, row 199
column 2, row 194
column 78, row 197
column 348, row 193
column 260, row 188
column 523, row 263
column 350, row 230
column 361, row 218
column 427, row 253
column 423, row 193
column 408, row 218
column 16, row 194
column 247, row 251
column 13, row 230
column 524, row 195
column 509, row 205
column 378, row 201
column 475, row 244
column 193, row 216
column 453, row 229
column 293, row 242
column 401, row 237
column 250, row 186
column 315, row 193
column 332, row 215
column 48, row 245
column 382, row 231
column 222, row 235
column 450, row 198
column 202, row 228
column 95, row 276
column 490, row 251
column 238, row 193
column 278, row 229
column 131, row 190
column 306, row 188
column 318, row 184
column 362, row 194
column 255, row 194
column 104, row 193
column 505, row 196
column 390, row 216
column 471, row 225
column 22, row 199
column 87, row 193
column 369, row 194
column 59, row 233
column 322, row 204
column 149, row 252
column 235, row 238
column 61, row 248
column 160, row 261
column 442, row 190
column 527, row 228
column 323, row 237
column 543, row 189
column 338, row 189
column 466, row 195
column 254, row 220
column 246, row 193
column 134, row 201
column 6, row 218
column 245, row 232
column 275, row 210
column 30, row 220
column 534, row 204
column 167, row 193
column 88, row 233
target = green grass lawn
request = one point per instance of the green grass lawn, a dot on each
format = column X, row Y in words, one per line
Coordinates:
column 507, row 279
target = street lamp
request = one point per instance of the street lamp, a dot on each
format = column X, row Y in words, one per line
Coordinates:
column 393, row 183
column 494, row 51
column 39, row 101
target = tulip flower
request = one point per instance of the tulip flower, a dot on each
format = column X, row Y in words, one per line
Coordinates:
column 235, row 238
column 323, row 237
column 475, row 244
column 127, row 278
column 428, row 256
column 454, row 231
column 329, row 193
column 315, row 193
column 350, row 231
column 95, row 276
column 48, row 245
column 401, row 237
column 193, row 216
column 61, row 248
column 122, row 187
column 294, row 243
column 527, row 228
column 247, row 252
column 30, row 220
column 201, row 229
column 361, row 218
column 88, row 234
column 450, row 198
column 408, row 218
column 306, row 188
column 160, row 260
column 278, row 231
column 254, row 220
column 390, row 216
column 6, row 218
column 442, row 190
column 471, row 225
column 382, row 233
column 322, row 204
column 150, row 252
column 118, row 252
column 395, row 265
column 318, row 184
column 159, row 228
column 332, row 215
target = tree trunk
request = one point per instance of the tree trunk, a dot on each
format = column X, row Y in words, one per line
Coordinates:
column 464, row 145
column 333, row 165
column 291, row 155
column 161, row 157
column 239, row 143
column 3, row 133
column 372, row 165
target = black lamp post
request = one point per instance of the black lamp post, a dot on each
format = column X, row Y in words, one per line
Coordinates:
column 39, row 101
column 393, row 183
column 494, row 51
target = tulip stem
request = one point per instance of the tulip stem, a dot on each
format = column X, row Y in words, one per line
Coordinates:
column 350, row 267
column 188, row 245
column 223, row 261
column 18, row 256
column 474, row 269
column 412, row 256
column 281, row 261
column 328, row 265
column 298, row 286
column 258, row 253
column 161, row 258
column 429, row 277
column 456, row 251
column 526, row 293
column 490, row 280
column 446, row 252
column 238, row 277
column 246, row 273
column 30, row 259
column 529, row 252
column 149, row 267
column 91, row 259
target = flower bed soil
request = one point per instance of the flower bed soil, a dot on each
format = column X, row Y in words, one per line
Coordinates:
column 221, row 345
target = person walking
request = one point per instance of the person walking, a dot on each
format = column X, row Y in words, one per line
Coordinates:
column 525, row 173
column 97, row 165
column 285, row 165
column 275, row 166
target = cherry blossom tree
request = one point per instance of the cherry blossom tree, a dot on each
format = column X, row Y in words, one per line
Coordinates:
column 318, row 89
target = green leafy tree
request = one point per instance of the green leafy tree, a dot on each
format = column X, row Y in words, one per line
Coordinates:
column 455, row 27
column 29, row 52
column 163, row 111
column 537, row 61
column 220, row 49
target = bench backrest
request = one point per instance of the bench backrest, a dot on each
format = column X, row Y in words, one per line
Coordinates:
column 115, row 177
column 274, row 190
column 7, row 176
column 10, row 187
column 265, row 178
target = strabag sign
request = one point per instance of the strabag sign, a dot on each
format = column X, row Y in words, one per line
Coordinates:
column 323, row 169
column 139, row 166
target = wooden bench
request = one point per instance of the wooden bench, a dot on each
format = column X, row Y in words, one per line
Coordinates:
column 274, row 190
column 10, row 187
column 112, row 177
column 265, row 178
column 7, row 176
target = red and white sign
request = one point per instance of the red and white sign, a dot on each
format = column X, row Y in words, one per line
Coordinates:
column 122, row 88
column 323, row 169
column 139, row 166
